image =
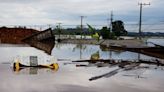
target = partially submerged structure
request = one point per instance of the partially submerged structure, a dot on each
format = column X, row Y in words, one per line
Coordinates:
column 34, row 61
column 15, row 35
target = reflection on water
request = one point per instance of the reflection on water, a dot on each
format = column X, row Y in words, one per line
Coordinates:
column 95, row 56
column 74, row 52
column 105, row 48
column 114, row 76
column 35, row 70
column 83, row 49
column 45, row 46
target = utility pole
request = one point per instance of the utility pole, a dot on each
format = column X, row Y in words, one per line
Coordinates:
column 111, row 20
column 140, row 20
column 59, row 30
column 108, row 22
column 82, row 17
column 111, row 28
column 49, row 25
column 40, row 28
column 59, row 24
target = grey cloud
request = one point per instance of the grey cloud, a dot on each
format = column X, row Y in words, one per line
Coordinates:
column 68, row 11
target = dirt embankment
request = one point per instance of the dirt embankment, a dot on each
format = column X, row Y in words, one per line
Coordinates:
column 14, row 35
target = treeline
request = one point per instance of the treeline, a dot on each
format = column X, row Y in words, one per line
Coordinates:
column 106, row 33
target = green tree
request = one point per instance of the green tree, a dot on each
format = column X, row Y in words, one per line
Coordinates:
column 105, row 32
column 118, row 28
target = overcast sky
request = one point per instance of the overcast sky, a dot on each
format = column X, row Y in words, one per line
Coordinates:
column 68, row 12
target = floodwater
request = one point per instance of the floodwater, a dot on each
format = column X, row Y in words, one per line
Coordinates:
column 79, row 76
